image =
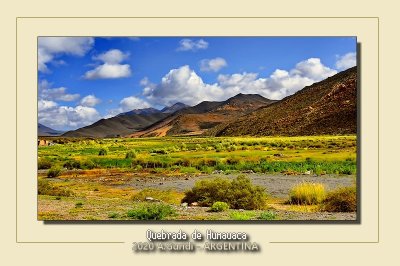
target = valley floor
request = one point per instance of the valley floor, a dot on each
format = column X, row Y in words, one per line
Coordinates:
column 110, row 194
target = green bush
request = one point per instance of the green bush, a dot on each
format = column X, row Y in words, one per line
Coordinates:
column 103, row 152
column 307, row 193
column 219, row 206
column 244, row 195
column 72, row 165
column 54, row 172
column 88, row 164
column 45, row 188
column 131, row 154
column 341, row 200
column 241, row 216
column 44, row 164
column 239, row 193
column 268, row 215
column 151, row 211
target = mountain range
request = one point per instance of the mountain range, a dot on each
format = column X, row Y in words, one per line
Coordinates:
column 44, row 131
column 325, row 107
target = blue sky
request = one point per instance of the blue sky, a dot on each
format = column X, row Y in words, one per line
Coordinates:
column 82, row 80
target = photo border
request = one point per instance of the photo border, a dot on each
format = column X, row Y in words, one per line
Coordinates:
column 286, row 222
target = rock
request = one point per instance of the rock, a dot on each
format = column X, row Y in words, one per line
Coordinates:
column 307, row 172
column 194, row 204
column 149, row 199
column 185, row 204
column 217, row 172
column 248, row 172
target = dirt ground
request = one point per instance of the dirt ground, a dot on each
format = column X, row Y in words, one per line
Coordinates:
column 277, row 185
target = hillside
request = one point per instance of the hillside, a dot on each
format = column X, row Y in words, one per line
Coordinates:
column 205, row 115
column 117, row 126
column 44, row 131
column 326, row 107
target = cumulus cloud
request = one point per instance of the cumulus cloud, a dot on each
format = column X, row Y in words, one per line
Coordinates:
column 192, row 45
column 184, row 85
column 212, row 64
column 111, row 67
column 90, row 101
column 50, row 48
column 346, row 61
column 132, row 102
column 55, row 94
column 128, row 104
column 65, row 117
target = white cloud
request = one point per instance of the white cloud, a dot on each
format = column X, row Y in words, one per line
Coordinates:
column 113, row 56
column 128, row 104
column 65, row 117
column 90, row 101
column 184, row 85
column 313, row 68
column 55, row 94
column 132, row 102
column 212, row 64
column 51, row 47
column 192, row 45
column 107, row 71
column 346, row 61
column 111, row 67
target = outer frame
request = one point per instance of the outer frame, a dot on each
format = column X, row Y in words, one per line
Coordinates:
column 40, row 26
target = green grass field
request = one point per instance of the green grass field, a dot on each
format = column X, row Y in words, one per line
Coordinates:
column 320, row 154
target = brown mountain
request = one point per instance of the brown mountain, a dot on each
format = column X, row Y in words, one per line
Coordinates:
column 120, row 125
column 198, row 119
column 326, row 107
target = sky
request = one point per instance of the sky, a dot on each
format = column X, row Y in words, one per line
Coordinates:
column 84, row 79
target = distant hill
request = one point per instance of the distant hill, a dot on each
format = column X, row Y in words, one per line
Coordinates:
column 144, row 111
column 326, row 107
column 125, row 123
column 173, row 108
column 205, row 115
column 116, row 126
column 44, row 131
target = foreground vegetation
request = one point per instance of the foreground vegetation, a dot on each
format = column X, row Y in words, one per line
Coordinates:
column 86, row 179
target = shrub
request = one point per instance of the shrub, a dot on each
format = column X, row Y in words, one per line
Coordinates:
column 72, row 165
column 131, row 154
column 239, row 193
column 54, row 172
column 241, row 216
column 244, row 195
column 151, row 211
column 341, row 200
column 219, row 206
column 307, row 193
column 44, row 164
column 103, row 152
column 268, row 215
column 88, row 164
column 45, row 188
column 79, row 204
